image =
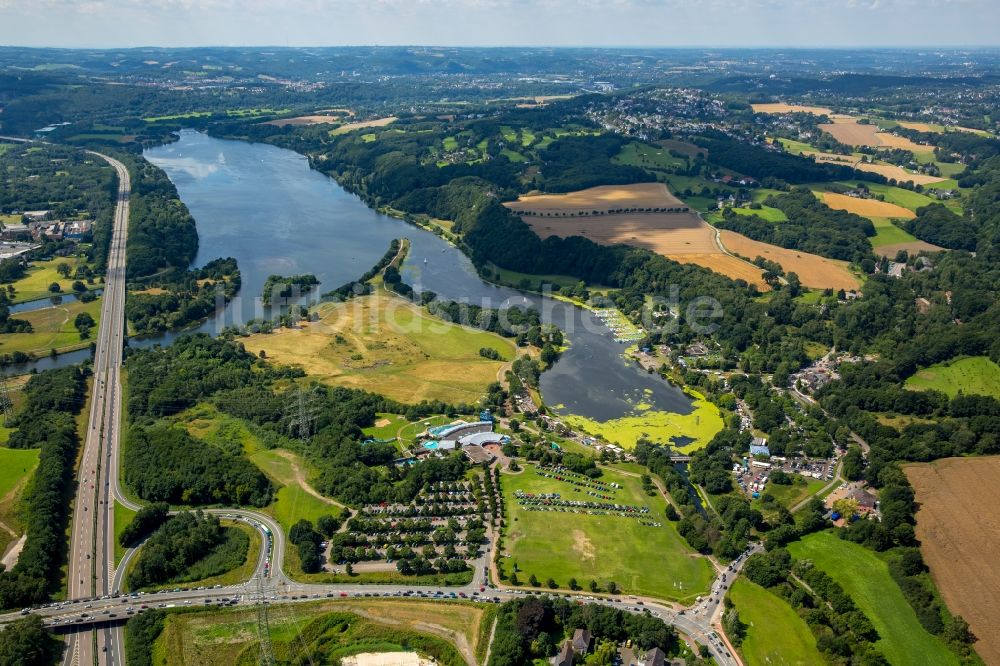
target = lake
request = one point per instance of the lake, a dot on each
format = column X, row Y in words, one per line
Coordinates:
column 267, row 208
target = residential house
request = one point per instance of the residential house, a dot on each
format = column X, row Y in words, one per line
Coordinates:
column 581, row 641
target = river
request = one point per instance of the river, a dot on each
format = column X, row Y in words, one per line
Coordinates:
column 264, row 206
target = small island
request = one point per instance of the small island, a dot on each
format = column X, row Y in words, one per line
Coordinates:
column 282, row 286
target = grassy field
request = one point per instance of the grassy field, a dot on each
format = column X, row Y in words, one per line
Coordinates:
column 53, row 329
column 41, row 274
column 602, row 548
column 789, row 496
column 796, row 147
column 386, row 426
column 16, row 468
column 236, row 575
column 865, row 577
column 776, row 635
column 701, row 425
column 650, row 157
column 296, row 498
column 887, row 233
column 765, row 212
column 389, row 346
column 123, row 516
column 974, row 374
column 219, row 636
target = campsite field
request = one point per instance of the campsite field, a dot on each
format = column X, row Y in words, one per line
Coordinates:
column 813, row 271
column 959, row 540
column 866, row 207
column 781, row 107
column 973, row 374
column 389, row 346
column 776, row 635
column 52, row 329
column 865, row 577
column 564, row 545
column 211, row 637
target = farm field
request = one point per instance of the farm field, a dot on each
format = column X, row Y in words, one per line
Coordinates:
column 888, row 170
column 891, row 248
column 865, row 577
column 887, row 233
column 976, row 375
column 602, row 198
column 209, row 638
column 601, row 548
column 699, row 426
column 682, row 147
column 297, row 121
column 866, row 207
column 295, row 498
column 41, row 274
column 765, row 212
column 959, row 539
column 683, row 237
column 52, row 329
column 848, row 130
column 363, row 124
column 776, row 635
column 781, row 107
column 813, row 271
column 389, row 346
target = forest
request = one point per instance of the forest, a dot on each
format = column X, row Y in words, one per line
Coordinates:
column 812, row 227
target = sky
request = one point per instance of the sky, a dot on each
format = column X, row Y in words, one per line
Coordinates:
column 633, row 23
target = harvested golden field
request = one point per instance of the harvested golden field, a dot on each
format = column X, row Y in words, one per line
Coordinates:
column 781, row 107
column 387, row 345
column 602, row 198
column 848, row 130
column 920, row 127
column 900, row 174
column 683, row 237
column 350, row 127
column 304, row 120
column 866, row 207
column 725, row 264
column 913, row 247
column 959, row 532
column 813, row 271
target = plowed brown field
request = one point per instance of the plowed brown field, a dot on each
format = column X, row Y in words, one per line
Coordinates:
column 959, row 531
column 781, row 107
column 866, row 207
column 813, row 271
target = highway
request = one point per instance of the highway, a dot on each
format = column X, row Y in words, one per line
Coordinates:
column 91, row 556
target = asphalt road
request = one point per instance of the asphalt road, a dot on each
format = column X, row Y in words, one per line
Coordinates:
column 91, row 549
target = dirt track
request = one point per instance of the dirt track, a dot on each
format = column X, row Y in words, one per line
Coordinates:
column 959, row 531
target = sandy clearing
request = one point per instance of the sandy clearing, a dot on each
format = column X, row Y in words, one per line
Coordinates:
column 602, row 198
column 13, row 552
column 913, row 247
column 350, row 127
column 813, row 271
column 866, row 207
column 781, row 107
column 960, row 535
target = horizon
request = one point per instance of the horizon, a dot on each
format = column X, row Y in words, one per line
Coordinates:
column 644, row 24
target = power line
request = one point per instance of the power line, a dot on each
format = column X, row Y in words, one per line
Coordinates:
column 263, row 626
